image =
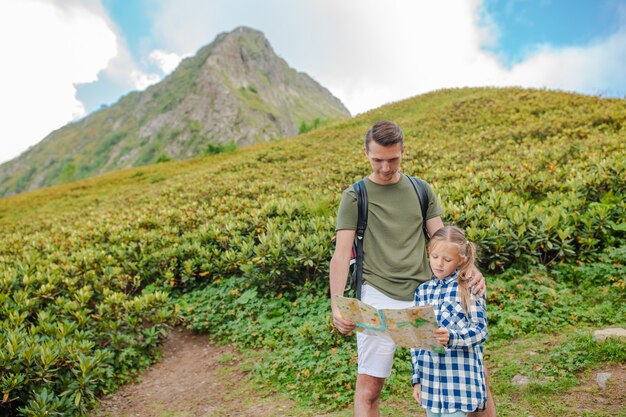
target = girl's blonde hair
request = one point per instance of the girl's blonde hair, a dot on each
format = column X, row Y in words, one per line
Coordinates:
column 456, row 235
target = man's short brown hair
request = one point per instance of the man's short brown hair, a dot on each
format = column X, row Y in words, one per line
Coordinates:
column 384, row 133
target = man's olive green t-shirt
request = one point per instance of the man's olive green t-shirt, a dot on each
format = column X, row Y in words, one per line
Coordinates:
column 394, row 245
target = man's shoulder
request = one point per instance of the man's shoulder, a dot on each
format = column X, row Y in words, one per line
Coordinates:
column 349, row 193
column 419, row 180
column 350, row 189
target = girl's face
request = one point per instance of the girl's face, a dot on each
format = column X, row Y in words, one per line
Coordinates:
column 445, row 259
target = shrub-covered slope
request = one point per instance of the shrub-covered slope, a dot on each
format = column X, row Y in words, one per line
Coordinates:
column 536, row 178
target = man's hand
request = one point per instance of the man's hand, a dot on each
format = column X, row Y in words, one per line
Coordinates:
column 442, row 335
column 343, row 325
column 476, row 281
column 416, row 392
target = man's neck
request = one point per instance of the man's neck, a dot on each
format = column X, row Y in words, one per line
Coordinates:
column 396, row 178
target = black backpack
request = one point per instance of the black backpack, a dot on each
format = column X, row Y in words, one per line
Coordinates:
column 356, row 262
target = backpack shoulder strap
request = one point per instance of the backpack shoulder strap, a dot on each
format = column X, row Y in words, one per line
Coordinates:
column 420, row 188
column 361, row 198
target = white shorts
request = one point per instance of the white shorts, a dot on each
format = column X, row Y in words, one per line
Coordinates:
column 376, row 352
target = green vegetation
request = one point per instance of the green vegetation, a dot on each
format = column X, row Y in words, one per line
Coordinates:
column 238, row 244
column 244, row 90
column 162, row 158
column 304, row 127
column 212, row 149
column 521, row 306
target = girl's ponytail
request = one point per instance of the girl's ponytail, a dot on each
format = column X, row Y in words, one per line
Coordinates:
column 470, row 261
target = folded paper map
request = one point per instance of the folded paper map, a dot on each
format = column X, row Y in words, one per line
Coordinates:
column 408, row 327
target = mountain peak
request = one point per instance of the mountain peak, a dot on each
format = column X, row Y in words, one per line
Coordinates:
column 244, row 31
column 234, row 90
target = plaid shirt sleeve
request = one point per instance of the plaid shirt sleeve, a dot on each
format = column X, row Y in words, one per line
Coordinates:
column 464, row 332
column 416, row 375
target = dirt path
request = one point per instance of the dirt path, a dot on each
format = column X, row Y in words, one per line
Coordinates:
column 197, row 379
column 193, row 378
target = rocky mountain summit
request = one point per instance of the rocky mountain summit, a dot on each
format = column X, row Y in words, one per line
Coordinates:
column 235, row 90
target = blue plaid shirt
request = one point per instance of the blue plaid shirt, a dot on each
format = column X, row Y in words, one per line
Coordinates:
column 454, row 380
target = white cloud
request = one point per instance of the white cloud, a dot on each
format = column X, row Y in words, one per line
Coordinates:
column 409, row 48
column 141, row 80
column 597, row 68
column 48, row 48
column 373, row 55
column 166, row 61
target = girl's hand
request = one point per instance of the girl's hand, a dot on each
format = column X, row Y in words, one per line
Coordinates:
column 416, row 392
column 442, row 335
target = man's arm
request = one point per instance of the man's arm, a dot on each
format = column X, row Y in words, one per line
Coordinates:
column 339, row 268
column 475, row 277
column 434, row 224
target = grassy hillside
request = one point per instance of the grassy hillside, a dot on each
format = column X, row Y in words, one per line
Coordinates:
column 233, row 244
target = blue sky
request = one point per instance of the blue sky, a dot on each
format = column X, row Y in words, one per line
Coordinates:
column 525, row 25
column 64, row 59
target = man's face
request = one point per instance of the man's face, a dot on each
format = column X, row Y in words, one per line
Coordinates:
column 385, row 161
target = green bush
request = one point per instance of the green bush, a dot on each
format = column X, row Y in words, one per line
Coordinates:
column 68, row 337
column 304, row 127
column 212, row 149
column 520, row 304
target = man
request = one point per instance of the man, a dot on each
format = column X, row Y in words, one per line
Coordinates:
column 395, row 260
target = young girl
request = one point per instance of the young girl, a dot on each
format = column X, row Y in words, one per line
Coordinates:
column 451, row 383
